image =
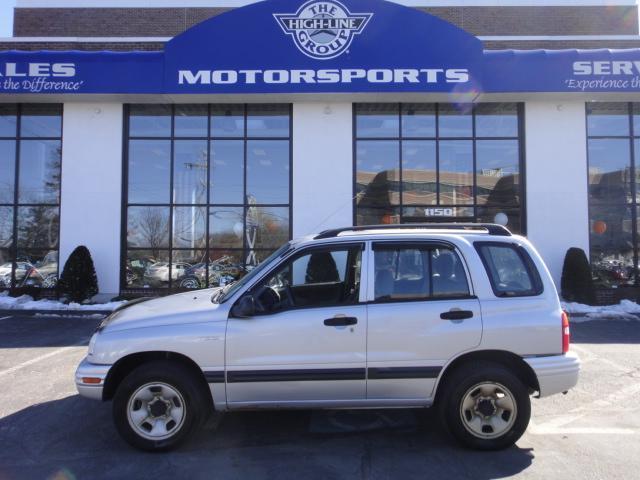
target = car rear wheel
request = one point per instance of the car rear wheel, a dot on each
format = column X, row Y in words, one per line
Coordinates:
column 485, row 406
column 189, row 282
column 157, row 406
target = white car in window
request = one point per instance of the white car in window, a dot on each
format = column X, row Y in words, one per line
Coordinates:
column 463, row 317
column 158, row 273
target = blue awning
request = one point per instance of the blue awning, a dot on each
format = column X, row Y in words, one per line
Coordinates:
column 280, row 47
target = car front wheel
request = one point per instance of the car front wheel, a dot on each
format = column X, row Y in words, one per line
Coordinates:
column 485, row 406
column 157, row 406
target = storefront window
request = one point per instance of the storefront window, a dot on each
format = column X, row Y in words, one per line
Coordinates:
column 438, row 162
column 208, row 192
column 30, row 167
column 613, row 193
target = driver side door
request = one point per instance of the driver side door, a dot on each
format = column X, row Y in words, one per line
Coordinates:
column 306, row 345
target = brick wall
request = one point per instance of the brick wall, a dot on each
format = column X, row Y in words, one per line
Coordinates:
column 87, row 46
column 559, row 44
column 588, row 20
column 107, row 22
column 168, row 22
column 153, row 46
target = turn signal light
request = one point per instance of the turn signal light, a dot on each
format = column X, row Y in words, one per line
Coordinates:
column 565, row 332
column 92, row 380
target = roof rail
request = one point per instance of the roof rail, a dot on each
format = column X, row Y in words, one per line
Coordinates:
column 490, row 228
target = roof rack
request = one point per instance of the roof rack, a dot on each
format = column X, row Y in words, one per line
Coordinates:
column 490, row 228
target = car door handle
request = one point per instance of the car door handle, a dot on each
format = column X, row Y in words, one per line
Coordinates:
column 340, row 321
column 456, row 315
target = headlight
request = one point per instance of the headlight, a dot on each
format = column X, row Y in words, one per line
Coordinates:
column 92, row 344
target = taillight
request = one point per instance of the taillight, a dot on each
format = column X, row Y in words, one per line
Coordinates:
column 565, row 332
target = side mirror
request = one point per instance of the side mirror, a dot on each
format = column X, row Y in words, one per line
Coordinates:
column 244, row 308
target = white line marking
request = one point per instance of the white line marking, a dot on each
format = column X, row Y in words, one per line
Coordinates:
column 588, row 356
column 15, row 368
column 558, row 422
column 4, row 318
column 542, row 430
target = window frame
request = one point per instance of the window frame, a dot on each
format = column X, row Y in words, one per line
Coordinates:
column 527, row 261
column 476, row 207
column 14, row 249
column 209, row 247
column 632, row 135
column 296, row 254
column 429, row 245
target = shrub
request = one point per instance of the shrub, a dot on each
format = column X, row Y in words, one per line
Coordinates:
column 78, row 281
column 576, row 284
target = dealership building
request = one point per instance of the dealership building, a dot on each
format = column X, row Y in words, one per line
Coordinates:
column 182, row 142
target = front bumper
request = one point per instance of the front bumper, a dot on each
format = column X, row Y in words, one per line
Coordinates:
column 90, row 379
column 556, row 373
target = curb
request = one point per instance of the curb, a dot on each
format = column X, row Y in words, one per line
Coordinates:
column 61, row 313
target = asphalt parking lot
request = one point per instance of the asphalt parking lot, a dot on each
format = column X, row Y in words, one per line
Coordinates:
column 48, row 431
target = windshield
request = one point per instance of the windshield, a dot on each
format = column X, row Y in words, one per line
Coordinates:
column 232, row 288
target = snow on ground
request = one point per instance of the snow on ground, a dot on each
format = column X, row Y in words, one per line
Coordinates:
column 64, row 314
column 625, row 310
column 25, row 302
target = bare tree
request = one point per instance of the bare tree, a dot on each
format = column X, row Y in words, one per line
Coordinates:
column 153, row 229
column 6, row 227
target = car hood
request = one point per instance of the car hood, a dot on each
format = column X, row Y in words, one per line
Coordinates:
column 188, row 307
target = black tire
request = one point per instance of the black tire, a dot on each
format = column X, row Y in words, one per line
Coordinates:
column 175, row 376
column 458, row 384
column 190, row 279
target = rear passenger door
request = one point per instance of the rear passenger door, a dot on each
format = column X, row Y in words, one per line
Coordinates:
column 421, row 312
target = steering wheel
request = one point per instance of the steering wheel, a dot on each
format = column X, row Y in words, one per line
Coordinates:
column 289, row 295
column 266, row 298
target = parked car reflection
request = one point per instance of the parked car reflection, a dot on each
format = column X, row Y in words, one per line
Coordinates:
column 135, row 269
column 46, row 272
column 157, row 274
column 5, row 273
column 221, row 272
column 610, row 273
column 31, row 272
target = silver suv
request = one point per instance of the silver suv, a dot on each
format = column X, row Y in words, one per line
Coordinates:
column 464, row 317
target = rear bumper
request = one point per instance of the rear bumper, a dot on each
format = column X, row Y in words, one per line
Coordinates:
column 86, row 371
column 557, row 373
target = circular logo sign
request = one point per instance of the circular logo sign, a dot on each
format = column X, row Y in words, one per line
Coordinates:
column 322, row 29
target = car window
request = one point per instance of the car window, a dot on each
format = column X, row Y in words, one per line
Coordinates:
column 449, row 276
column 315, row 278
column 232, row 288
column 319, row 267
column 401, row 274
column 417, row 273
column 510, row 269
